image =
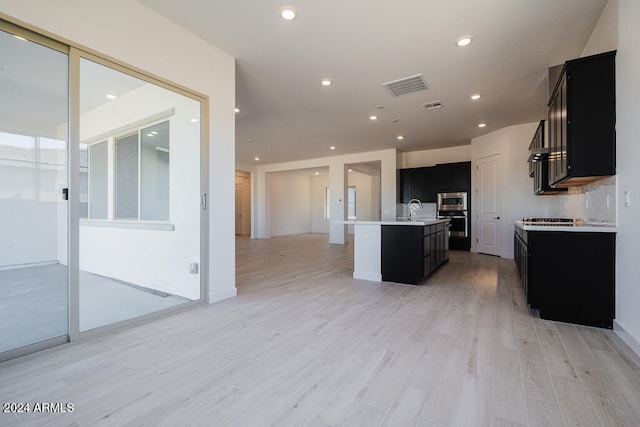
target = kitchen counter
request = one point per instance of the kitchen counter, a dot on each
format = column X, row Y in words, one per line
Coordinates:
column 421, row 221
column 367, row 251
column 577, row 228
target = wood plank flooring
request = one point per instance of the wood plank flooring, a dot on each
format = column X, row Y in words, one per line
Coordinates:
column 306, row 344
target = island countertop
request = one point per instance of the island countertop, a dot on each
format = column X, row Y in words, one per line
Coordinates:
column 421, row 222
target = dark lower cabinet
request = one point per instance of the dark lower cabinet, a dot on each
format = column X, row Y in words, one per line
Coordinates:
column 568, row 276
column 411, row 252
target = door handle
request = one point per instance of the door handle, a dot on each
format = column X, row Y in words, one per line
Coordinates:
column 496, row 217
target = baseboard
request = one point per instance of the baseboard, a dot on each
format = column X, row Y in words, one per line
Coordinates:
column 220, row 296
column 373, row 277
column 626, row 337
column 29, row 265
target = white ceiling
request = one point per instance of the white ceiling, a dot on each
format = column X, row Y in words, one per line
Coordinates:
column 287, row 115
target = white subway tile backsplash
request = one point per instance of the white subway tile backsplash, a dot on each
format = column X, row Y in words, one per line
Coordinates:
column 428, row 211
column 594, row 203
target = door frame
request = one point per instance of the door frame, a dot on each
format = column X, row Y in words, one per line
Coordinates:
column 477, row 193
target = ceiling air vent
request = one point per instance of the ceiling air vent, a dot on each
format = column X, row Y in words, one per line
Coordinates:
column 432, row 105
column 406, row 85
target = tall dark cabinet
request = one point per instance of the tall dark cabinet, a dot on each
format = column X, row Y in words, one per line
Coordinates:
column 582, row 122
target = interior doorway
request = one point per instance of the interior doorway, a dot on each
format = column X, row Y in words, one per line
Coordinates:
column 243, row 203
column 489, row 230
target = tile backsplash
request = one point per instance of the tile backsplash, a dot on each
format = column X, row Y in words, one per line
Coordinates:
column 594, row 203
column 428, row 211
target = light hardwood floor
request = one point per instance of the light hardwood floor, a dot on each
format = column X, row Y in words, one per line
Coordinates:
column 305, row 344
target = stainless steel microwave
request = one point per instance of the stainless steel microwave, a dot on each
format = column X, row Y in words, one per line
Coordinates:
column 456, row 201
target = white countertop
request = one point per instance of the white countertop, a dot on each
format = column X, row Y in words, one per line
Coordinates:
column 581, row 228
column 421, row 221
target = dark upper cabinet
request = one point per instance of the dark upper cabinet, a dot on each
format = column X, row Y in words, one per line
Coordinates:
column 417, row 183
column 453, row 177
column 461, row 176
column 581, row 119
column 425, row 183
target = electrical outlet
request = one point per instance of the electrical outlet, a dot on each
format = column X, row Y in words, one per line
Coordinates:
column 608, row 200
column 193, row 268
column 627, row 198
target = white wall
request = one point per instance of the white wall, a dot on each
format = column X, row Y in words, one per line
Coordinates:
column 338, row 166
column 517, row 187
column 416, row 159
column 319, row 221
column 628, row 177
column 290, row 203
column 145, row 40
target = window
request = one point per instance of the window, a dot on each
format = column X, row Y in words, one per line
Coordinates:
column 140, row 173
column 327, row 206
column 351, row 203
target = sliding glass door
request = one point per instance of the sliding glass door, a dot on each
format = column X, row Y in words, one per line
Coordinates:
column 102, row 188
column 33, row 181
column 139, row 169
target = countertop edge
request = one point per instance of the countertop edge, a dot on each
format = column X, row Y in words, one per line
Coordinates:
column 391, row 222
column 583, row 228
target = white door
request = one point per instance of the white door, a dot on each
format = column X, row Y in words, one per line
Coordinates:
column 489, row 229
column 239, row 198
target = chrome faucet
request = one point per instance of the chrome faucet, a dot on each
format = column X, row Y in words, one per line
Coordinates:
column 412, row 213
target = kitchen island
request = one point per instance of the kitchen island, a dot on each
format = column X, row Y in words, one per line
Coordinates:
column 399, row 251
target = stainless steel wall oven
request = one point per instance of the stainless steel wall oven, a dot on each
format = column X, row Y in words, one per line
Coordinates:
column 453, row 206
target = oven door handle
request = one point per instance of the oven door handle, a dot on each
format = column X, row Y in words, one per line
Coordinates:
column 452, row 217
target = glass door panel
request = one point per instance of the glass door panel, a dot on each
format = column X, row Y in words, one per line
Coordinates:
column 139, row 238
column 33, row 212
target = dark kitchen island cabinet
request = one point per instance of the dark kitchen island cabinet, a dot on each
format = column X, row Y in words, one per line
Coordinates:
column 568, row 276
column 411, row 253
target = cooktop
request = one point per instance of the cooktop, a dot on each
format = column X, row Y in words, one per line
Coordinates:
column 549, row 221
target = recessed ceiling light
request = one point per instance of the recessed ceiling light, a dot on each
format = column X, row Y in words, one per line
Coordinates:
column 380, row 106
column 399, row 137
column 153, row 132
column 332, row 148
column 194, row 120
column 373, row 117
column 395, row 120
column 150, row 134
column 256, row 158
column 317, row 173
column 111, row 96
column 481, row 125
column 350, row 170
column 288, row 14
column 237, row 110
column 463, row 41
column 475, row 96
column 326, row 82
